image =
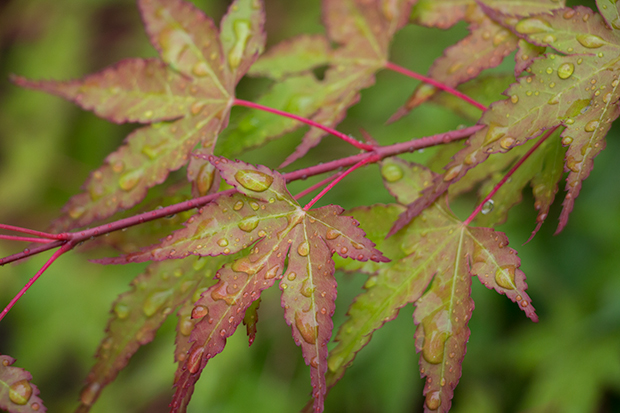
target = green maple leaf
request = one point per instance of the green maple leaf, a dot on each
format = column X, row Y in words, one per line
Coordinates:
column 17, row 393
column 487, row 44
column 432, row 262
column 282, row 242
column 184, row 97
column 577, row 91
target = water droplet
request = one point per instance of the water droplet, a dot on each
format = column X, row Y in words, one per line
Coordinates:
column 532, row 26
column 591, row 126
column 130, row 179
column 514, row 98
column 591, row 41
column 222, row 242
column 254, row 180
column 344, row 250
column 506, row 142
column 566, row 70
column 20, row 392
column 248, row 224
column 500, row 37
column 567, row 140
column 121, row 311
column 433, row 348
column 554, row 100
column 77, row 211
column 307, row 326
column 487, row 207
column 494, row 133
column 314, row 362
column 154, row 301
column 186, row 327
column 391, row 172
column 303, row 249
column 204, row 180
column 291, row 276
column 90, row 393
column 332, row 234
column 238, row 205
column 433, row 400
column 568, row 14
column 242, row 34
column 221, row 293
column 452, row 173
column 200, row 69
column 199, row 311
column 272, row 272
column 505, row 277
column 246, row 266
column 195, row 360
column 254, row 205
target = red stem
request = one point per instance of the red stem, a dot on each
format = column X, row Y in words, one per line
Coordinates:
column 338, row 179
column 315, row 186
column 346, row 138
column 31, row 232
column 438, row 85
column 26, row 239
column 66, row 247
column 508, row 175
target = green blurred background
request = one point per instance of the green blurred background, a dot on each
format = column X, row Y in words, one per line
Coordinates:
column 568, row 362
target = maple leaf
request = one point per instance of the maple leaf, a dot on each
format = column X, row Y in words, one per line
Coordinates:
column 17, row 393
column 577, row 91
column 435, row 249
column 285, row 242
column 185, row 97
column 485, row 47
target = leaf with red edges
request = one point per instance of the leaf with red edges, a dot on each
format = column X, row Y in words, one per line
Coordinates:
column 17, row 393
column 138, row 314
column 185, row 97
column 442, row 14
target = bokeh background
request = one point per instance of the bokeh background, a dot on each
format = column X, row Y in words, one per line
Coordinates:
column 568, row 362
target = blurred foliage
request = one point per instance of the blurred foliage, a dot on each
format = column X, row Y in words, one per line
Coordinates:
column 568, row 362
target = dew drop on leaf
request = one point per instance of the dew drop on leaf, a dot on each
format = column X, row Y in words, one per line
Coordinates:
column 506, row 142
column 222, row 242
column 303, row 249
column 505, row 277
column 566, row 70
column 199, row 311
column 433, row 400
column 272, row 272
column 590, row 41
column 391, row 172
column 154, row 302
column 121, row 311
column 249, row 224
column 254, row 180
column 238, row 205
column 452, row 173
column 195, row 360
column 20, row 392
column 130, row 179
column 567, row 140
column 200, row 69
column 242, row 34
column 487, row 207
column 432, row 351
column 307, row 326
column 533, row 25
column 186, row 327
column 77, row 211
column 591, row 126
column 89, row 394
column 332, row 234
column 221, row 293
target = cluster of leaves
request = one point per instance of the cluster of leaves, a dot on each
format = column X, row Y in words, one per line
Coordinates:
column 250, row 232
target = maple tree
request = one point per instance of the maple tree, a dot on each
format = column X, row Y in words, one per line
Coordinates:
column 238, row 224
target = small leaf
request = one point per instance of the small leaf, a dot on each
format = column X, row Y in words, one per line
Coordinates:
column 17, row 393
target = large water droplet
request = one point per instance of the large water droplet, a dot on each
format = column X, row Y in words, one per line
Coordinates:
column 238, row 205
column 590, row 41
column 186, row 327
column 248, row 224
column 222, row 242
column 506, row 142
column 130, row 179
column 246, row 266
column 433, row 400
column 90, row 393
column 391, row 172
column 242, row 34
column 505, row 277
column 307, row 326
column 533, row 25
column 591, row 126
column 199, row 311
column 195, row 360
column 332, row 234
column 566, row 70
column 303, row 249
column 494, row 133
column 154, row 302
column 433, row 348
column 20, row 392
column 254, row 180
column 221, row 293
column 200, row 69
column 272, row 272
column 204, row 180
column 487, row 207
column 452, row 173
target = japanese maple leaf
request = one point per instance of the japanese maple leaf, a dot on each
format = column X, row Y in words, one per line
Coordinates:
column 433, row 260
column 283, row 242
column 577, row 91
column 184, row 97
column 17, row 393
column 485, row 47
column 363, row 31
